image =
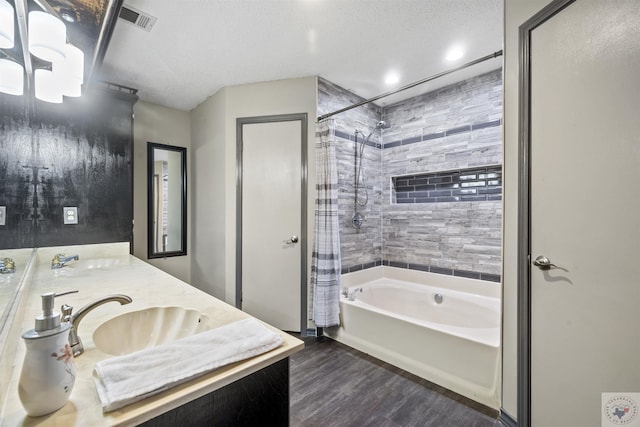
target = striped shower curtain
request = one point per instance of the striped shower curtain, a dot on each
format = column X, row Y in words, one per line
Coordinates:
column 325, row 262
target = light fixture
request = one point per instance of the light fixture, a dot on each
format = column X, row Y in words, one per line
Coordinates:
column 47, row 36
column 47, row 40
column 392, row 78
column 454, row 53
column 48, row 86
column 68, row 15
column 70, row 71
column 6, row 25
column 11, row 77
column 11, row 73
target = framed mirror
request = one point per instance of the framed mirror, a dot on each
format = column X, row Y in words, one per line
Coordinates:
column 167, row 200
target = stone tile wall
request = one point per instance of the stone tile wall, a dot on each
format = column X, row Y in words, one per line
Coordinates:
column 451, row 129
column 363, row 246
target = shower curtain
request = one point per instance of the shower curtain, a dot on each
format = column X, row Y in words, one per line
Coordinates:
column 325, row 261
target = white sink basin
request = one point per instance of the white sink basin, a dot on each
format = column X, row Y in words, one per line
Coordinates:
column 150, row 327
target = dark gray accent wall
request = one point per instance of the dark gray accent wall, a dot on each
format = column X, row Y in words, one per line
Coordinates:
column 454, row 128
column 78, row 153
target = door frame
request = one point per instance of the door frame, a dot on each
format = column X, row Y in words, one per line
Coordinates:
column 240, row 122
column 524, row 214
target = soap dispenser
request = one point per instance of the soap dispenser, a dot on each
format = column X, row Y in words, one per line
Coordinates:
column 48, row 372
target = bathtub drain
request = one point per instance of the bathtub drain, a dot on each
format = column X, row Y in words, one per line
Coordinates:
column 437, row 298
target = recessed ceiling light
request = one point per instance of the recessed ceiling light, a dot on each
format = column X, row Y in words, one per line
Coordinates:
column 454, row 53
column 392, row 78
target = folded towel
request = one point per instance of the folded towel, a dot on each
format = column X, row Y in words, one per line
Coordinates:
column 123, row 380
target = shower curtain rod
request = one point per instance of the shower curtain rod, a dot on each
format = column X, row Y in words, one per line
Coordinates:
column 410, row 85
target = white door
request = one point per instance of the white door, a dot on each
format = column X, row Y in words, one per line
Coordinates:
column 271, row 222
column 585, row 210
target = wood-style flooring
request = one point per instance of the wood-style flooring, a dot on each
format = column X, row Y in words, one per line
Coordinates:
column 333, row 385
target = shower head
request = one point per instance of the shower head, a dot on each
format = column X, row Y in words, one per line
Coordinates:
column 380, row 125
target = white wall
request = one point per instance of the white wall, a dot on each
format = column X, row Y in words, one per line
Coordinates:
column 214, row 151
column 208, row 135
column 516, row 13
column 154, row 123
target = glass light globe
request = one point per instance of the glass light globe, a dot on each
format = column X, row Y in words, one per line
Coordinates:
column 6, row 25
column 47, row 36
column 48, row 86
column 11, row 77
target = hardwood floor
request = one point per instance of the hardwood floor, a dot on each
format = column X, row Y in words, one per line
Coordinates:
column 332, row 385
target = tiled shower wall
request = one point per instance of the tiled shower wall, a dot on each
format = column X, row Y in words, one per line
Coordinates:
column 455, row 128
column 364, row 246
column 449, row 130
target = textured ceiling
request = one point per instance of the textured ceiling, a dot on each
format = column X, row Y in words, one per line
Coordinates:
column 199, row 46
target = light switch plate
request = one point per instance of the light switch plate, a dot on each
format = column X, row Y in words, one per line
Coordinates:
column 70, row 214
column 3, row 215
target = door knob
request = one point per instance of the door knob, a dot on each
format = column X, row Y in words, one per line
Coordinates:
column 543, row 263
column 293, row 239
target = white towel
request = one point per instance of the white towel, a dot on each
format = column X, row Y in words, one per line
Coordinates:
column 126, row 379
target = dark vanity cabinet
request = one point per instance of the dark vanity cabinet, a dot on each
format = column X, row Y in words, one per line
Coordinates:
column 259, row 399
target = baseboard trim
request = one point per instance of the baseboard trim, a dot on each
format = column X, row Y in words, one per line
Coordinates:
column 507, row 420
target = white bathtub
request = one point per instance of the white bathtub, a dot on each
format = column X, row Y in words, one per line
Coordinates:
column 455, row 344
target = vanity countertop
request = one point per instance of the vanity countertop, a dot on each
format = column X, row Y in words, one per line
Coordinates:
column 102, row 271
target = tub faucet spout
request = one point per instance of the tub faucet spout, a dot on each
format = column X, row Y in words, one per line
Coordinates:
column 60, row 260
column 67, row 316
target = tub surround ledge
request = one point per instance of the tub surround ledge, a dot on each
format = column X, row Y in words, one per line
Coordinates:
column 110, row 269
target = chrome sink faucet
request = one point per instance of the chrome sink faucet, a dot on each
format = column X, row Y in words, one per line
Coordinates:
column 67, row 316
column 60, row 260
column 7, row 265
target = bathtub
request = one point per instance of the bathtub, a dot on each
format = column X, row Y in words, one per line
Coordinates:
column 454, row 343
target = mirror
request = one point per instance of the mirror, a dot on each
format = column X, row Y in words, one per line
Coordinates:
column 167, row 200
column 13, row 266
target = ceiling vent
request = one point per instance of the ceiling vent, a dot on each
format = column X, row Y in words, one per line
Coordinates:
column 137, row 17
